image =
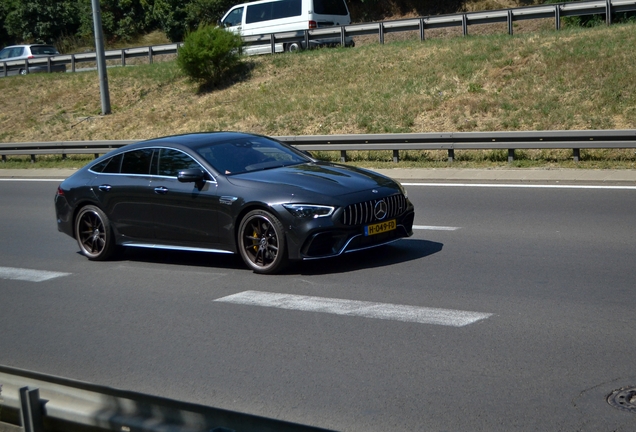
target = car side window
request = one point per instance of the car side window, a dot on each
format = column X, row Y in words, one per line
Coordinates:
column 172, row 161
column 16, row 52
column 4, row 54
column 108, row 166
column 137, row 162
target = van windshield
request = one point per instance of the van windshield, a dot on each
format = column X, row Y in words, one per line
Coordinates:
column 330, row 7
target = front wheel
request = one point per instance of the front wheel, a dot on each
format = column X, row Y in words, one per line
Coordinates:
column 261, row 242
column 94, row 234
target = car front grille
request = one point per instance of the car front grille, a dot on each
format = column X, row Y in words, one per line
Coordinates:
column 364, row 212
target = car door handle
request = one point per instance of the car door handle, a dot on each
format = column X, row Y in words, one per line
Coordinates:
column 105, row 188
column 161, row 190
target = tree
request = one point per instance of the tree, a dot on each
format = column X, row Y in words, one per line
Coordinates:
column 40, row 20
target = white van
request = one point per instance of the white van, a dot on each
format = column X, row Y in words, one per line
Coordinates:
column 279, row 16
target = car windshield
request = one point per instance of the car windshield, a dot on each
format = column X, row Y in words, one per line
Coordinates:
column 249, row 154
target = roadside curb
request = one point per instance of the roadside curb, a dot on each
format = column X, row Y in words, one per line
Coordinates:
column 425, row 174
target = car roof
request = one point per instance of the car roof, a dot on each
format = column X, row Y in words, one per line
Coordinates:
column 28, row 45
column 196, row 139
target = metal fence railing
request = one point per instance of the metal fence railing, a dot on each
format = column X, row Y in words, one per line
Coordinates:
column 40, row 403
column 447, row 141
column 463, row 20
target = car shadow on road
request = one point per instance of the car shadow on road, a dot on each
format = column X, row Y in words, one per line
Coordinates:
column 399, row 252
column 395, row 253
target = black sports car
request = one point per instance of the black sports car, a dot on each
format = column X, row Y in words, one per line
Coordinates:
column 229, row 192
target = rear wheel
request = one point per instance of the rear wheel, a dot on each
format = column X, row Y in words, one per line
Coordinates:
column 23, row 72
column 292, row 47
column 261, row 242
column 94, row 234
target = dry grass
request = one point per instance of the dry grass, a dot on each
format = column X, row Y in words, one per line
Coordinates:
column 539, row 80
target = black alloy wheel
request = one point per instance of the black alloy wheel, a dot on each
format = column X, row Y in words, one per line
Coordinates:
column 94, row 234
column 261, row 242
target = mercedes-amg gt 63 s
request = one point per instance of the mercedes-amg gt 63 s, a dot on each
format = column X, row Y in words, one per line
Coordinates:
column 229, row 192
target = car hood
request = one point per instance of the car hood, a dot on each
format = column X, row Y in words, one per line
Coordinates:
column 320, row 178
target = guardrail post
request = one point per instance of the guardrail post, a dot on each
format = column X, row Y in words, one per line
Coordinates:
column 4, row 68
column 381, row 32
column 511, row 155
column 306, row 39
column 48, row 64
column 510, row 29
column 451, row 155
column 123, row 58
column 343, row 37
column 557, row 17
column 72, row 62
column 26, row 67
column 421, row 29
column 577, row 154
column 608, row 12
column 31, row 410
column 272, row 43
column 465, row 25
column 396, row 156
column 32, row 158
column 150, row 55
column 343, row 155
column 4, row 158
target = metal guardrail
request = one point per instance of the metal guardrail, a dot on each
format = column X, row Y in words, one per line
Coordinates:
column 39, row 403
column 449, row 141
column 509, row 16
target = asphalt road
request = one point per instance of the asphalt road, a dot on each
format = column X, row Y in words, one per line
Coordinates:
column 553, row 269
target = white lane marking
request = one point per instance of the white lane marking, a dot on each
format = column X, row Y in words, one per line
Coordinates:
column 435, row 228
column 522, row 186
column 32, row 179
column 387, row 311
column 29, row 274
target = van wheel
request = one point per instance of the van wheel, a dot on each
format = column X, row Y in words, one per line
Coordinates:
column 292, row 47
column 23, row 72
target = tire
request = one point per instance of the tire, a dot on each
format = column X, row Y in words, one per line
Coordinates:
column 94, row 234
column 261, row 242
column 292, row 47
column 23, row 72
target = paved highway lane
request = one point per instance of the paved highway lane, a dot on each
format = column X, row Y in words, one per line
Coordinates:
column 552, row 270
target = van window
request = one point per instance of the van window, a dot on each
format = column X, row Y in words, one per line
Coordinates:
column 273, row 10
column 234, row 18
column 330, row 7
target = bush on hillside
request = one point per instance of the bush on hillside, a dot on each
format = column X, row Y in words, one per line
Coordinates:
column 210, row 54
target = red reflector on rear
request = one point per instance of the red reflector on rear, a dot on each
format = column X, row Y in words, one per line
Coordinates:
column 60, row 191
column 313, row 25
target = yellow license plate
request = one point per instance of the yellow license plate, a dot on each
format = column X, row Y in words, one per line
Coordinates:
column 379, row 228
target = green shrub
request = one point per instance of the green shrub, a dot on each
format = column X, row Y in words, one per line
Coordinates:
column 210, row 54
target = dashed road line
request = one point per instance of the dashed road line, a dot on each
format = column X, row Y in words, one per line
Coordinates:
column 29, row 275
column 435, row 228
column 386, row 311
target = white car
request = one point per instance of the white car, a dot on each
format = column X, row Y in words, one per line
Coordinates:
column 28, row 52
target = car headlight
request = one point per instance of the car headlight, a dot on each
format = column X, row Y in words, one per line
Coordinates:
column 402, row 189
column 309, row 211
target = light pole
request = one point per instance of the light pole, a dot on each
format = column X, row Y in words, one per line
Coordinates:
column 101, row 57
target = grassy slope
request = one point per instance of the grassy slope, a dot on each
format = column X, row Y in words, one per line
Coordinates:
column 573, row 79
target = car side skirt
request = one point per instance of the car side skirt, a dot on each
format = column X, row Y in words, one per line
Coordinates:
column 177, row 248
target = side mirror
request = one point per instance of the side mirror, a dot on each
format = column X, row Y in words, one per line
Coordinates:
column 192, row 175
